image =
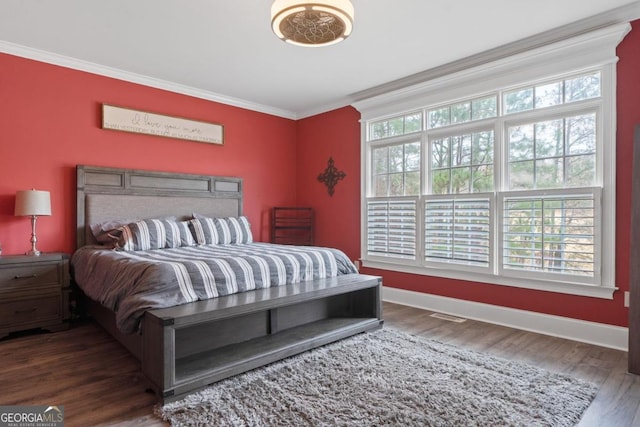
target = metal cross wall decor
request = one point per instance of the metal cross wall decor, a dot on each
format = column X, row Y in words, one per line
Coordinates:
column 331, row 176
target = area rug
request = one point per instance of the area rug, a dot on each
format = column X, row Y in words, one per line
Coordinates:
column 388, row 378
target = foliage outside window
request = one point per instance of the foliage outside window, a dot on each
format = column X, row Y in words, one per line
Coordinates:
column 462, row 163
column 461, row 112
column 553, row 153
column 397, row 170
column 396, row 126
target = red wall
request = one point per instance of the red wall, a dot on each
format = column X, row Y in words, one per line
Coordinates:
column 332, row 135
column 338, row 133
column 50, row 121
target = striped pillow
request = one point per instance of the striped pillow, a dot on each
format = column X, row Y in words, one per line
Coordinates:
column 240, row 229
column 221, row 231
column 149, row 234
column 204, row 231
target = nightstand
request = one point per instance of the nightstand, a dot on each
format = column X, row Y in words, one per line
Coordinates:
column 34, row 292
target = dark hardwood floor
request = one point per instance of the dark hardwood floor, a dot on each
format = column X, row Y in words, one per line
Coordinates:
column 99, row 383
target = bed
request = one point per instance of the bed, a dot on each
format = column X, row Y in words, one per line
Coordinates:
column 188, row 337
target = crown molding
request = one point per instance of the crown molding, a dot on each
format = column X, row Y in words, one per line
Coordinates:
column 325, row 108
column 115, row 73
column 583, row 51
column 623, row 14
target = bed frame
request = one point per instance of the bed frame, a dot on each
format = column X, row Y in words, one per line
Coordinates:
column 185, row 348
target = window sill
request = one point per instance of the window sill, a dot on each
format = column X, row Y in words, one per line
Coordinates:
column 604, row 292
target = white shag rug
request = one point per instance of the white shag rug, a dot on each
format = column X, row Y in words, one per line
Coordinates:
column 388, row 378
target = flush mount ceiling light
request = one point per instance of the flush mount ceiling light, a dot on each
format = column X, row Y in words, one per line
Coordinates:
column 312, row 23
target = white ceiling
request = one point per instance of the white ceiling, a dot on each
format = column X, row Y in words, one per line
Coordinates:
column 225, row 50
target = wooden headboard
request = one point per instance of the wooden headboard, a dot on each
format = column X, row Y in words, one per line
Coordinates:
column 105, row 194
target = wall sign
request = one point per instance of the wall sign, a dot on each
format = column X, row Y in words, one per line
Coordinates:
column 129, row 120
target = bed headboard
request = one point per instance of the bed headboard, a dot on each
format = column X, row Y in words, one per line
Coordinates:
column 105, row 194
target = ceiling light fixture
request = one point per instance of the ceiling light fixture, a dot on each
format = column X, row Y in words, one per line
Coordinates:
column 312, row 23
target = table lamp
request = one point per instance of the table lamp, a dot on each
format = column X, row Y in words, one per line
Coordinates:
column 33, row 203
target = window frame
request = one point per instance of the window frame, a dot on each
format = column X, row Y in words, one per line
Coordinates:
column 594, row 51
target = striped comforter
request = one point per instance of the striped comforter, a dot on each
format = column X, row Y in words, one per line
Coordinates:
column 129, row 283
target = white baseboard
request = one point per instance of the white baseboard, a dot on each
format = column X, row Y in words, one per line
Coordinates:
column 601, row 334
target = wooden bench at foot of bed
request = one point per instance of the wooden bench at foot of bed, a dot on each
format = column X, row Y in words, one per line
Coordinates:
column 188, row 347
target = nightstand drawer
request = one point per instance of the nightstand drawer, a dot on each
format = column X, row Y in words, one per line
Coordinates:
column 34, row 274
column 29, row 310
column 34, row 292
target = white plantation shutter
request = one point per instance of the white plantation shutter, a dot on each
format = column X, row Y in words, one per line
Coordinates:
column 391, row 227
column 458, row 230
column 552, row 233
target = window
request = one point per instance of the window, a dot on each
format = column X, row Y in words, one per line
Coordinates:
column 474, row 109
column 397, row 170
column 513, row 184
column 553, row 153
column 549, row 142
column 573, row 89
column 395, row 126
column 462, row 163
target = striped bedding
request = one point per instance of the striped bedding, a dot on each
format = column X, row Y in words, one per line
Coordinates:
column 129, row 283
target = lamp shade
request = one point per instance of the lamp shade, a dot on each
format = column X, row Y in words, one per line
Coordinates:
column 32, row 202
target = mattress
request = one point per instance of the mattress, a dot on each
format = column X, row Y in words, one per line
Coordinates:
column 132, row 282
